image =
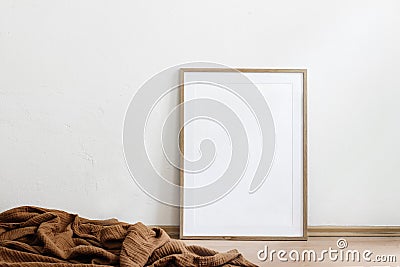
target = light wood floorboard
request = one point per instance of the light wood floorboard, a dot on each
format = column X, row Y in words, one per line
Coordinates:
column 378, row 245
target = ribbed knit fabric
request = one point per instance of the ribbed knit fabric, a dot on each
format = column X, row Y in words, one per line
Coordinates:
column 32, row 236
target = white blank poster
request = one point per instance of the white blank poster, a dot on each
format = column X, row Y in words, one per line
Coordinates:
column 275, row 209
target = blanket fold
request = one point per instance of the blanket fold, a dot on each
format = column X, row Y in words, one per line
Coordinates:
column 33, row 236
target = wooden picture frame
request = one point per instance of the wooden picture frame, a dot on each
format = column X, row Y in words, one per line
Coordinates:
column 299, row 193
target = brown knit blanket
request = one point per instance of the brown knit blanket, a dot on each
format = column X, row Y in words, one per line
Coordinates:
column 31, row 236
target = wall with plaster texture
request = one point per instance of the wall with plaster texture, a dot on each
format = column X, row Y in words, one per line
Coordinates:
column 68, row 70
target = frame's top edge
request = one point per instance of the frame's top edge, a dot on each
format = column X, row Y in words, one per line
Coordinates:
column 243, row 70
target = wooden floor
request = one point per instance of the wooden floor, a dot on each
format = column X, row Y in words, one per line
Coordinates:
column 380, row 246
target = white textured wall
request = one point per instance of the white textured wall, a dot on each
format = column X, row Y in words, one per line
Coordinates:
column 68, row 70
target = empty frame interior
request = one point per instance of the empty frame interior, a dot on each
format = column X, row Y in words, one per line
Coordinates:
column 277, row 208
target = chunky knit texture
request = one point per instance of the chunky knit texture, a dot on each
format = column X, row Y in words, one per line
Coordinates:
column 32, row 236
